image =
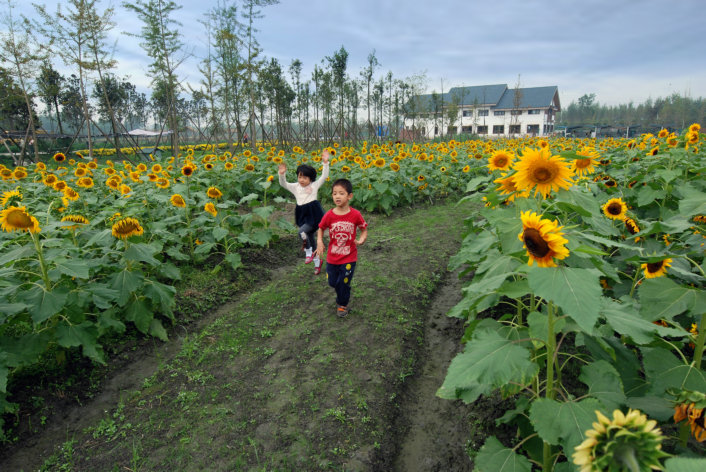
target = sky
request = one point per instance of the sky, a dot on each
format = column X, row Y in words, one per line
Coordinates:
column 620, row 50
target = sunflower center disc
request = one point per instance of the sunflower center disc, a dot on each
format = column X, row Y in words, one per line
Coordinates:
column 537, row 246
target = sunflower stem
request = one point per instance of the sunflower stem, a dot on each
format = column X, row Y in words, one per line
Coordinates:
column 699, row 348
column 188, row 220
column 701, row 269
column 549, row 392
column 42, row 263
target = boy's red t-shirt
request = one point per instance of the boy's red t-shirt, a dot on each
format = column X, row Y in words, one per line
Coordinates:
column 342, row 231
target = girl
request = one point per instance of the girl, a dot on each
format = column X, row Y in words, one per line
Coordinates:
column 308, row 212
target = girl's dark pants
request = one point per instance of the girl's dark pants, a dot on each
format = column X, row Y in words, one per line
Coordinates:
column 339, row 277
column 310, row 232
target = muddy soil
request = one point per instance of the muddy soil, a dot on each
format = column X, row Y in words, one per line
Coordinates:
column 434, row 433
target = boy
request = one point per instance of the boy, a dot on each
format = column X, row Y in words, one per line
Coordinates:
column 342, row 222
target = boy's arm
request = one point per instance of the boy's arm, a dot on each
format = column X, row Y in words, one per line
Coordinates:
column 320, row 242
column 363, row 236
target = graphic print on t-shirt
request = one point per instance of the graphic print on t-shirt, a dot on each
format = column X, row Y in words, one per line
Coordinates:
column 342, row 232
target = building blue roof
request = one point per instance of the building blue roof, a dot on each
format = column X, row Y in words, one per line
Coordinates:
column 498, row 96
column 530, row 97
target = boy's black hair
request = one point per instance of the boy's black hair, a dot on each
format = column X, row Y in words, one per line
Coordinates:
column 345, row 183
column 307, row 171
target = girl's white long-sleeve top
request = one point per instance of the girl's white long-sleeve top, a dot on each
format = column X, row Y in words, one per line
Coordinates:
column 306, row 194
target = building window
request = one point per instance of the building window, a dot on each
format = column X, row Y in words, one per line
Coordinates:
column 467, row 113
column 548, row 129
column 482, row 130
column 482, row 112
column 467, row 129
column 515, row 112
column 499, row 112
column 533, row 129
column 534, row 112
column 515, row 129
column 498, row 129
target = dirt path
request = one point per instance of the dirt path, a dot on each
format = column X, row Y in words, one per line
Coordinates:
column 436, row 429
column 272, row 380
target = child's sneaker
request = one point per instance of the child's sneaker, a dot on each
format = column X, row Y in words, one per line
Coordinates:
column 342, row 311
column 309, row 259
column 317, row 270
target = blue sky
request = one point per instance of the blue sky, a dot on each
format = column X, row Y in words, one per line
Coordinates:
column 621, row 50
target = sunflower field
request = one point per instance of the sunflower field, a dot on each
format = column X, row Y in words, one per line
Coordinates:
column 586, row 305
column 587, row 266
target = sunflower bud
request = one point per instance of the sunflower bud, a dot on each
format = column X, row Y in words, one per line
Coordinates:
column 627, row 442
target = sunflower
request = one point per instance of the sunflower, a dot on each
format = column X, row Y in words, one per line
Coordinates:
column 542, row 239
column 156, row 168
column 693, row 412
column 141, row 167
column 40, row 166
column 500, row 160
column 177, row 200
column 19, row 174
column 188, row 169
column 126, row 227
column 249, row 167
column 10, row 196
column 615, row 209
column 394, row 166
column 16, row 218
column 653, row 151
column 6, row 174
column 208, row 166
column 631, row 226
column 113, row 183
column 345, row 169
column 59, row 157
column 228, row 166
column 214, row 193
column 80, row 171
column 610, row 182
column 50, row 180
column 585, row 165
column 92, row 165
column 77, row 220
column 152, row 177
column 663, row 133
column 71, row 194
column 125, row 189
column 420, row 178
column 210, row 208
column 85, row 182
column 610, row 441
column 656, row 269
column 695, row 128
column 466, row 169
column 60, row 185
column 538, row 168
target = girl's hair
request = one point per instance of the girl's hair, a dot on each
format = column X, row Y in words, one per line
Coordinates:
column 307, row 171
column 345, row 183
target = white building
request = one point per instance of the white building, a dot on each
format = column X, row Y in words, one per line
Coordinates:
column 485, row 110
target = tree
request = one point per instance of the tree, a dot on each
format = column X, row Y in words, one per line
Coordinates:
column 516, row 103
column 228, row 66
column 367, row 75
column 13, row 109
column 72, row 104
column 24, row 55
column 49, row 85
column 251, row 13
column 161, row 42
column 338, row 63
column 71, row 32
